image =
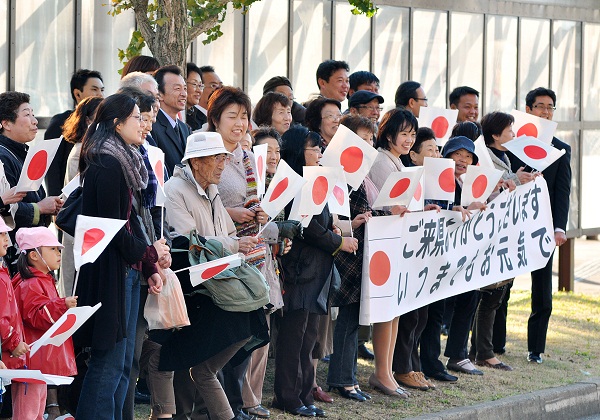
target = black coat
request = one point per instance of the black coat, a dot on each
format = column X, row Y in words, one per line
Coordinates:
column 195, row 118
column 105, row 194
column 55, row 177
column 166, row 138
column 307, row 268
column 558, row 178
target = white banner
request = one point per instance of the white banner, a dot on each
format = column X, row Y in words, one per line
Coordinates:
column 418, row 259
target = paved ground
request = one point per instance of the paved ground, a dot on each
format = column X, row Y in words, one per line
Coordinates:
column 587, row 269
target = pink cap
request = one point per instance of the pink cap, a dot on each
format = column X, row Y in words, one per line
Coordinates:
column 3, row 226
column 30, row 238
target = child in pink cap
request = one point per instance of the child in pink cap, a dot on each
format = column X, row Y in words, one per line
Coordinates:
column 40, row 307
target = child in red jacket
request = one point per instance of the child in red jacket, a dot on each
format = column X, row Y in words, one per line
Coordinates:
column 40, row 307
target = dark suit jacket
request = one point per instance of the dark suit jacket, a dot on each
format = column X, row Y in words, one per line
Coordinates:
column 166, row 138
column 558, row 178
column 55, row 177
column 195, row 118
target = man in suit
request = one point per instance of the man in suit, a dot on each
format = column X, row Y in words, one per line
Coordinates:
column 169, row 132
column 541, row 102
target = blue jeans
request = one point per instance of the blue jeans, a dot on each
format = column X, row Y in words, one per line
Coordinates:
column 107, row 379
column 342, row 363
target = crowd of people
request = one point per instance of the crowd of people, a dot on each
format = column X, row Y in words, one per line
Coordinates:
column 215, row 368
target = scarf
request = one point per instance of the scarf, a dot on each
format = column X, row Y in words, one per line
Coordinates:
column 149, row 193
column 255, row 257
column 132, row 163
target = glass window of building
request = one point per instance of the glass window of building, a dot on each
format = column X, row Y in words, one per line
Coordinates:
column 3, row 47
column 352, row 38
column 500, row 64
column 591, row 72
column 590, row 173
column 534, row 57
column 566, row 59
column 466, row 45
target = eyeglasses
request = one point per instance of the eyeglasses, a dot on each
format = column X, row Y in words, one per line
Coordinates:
column 543, row 107
column 196, row 86
column 136, row 117
column 420, row 99
column 332, row 117
column 315, row 149
column 370, row 108
column 215, row 85
column 221, row 158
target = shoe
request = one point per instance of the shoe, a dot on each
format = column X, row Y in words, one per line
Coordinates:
column 402, row 393
column 501, row 366
column 243, row 416
column 363, row 393
column 318, row 412
column 376, row 384
column 463, row 366
column 326, row 358
column 445, row 330
column 258, row 411
column 534, row 357
column 320, row 395
column 350, row 394
column 424, row 380
column 302, row 411
column 410, row 380
column 443, row 377
column 141, row 398
column 365, row 353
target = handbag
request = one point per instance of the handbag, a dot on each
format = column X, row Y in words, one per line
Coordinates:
column 66, row 219
column 238, row 289
column 167, row 309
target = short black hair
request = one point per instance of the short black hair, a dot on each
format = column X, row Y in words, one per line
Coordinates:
column 468, row 129
column 263, row 111
column 361, row 77
column 192, row 68
column 294, row 142
column 312, row 118
column 461, row 91
column 274, row 82
column 541, row 91
column 405, row 92
column 423, row 134
column 160, row 75
column 265, row 132
column 80, row 78
column 493, row 124
column 9, row 104
column 356, row 122
column 206, row 69
column 328, row 67
column 393, row 122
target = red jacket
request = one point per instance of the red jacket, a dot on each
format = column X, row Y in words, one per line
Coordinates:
column 40, row 307
column 11, row 325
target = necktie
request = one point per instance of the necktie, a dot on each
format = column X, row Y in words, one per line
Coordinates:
column 179, row 134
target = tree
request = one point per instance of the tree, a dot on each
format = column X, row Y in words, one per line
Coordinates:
column 168, row 27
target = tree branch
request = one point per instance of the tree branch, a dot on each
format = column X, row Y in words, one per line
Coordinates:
column 140, row 7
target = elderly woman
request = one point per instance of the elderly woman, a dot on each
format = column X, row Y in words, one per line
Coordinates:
column 215, row 335
column 323, row 116
column 275, row 110
column 18, row 126
column 112, row 171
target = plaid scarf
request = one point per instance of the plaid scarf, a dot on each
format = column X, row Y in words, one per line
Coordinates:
column 149, row 193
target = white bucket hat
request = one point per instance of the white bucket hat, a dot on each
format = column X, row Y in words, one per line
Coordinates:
column 203, row 144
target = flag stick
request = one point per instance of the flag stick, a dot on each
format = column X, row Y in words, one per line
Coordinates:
column 162, row 222
column 75, row 285
column 352, row 233
column 264, row 226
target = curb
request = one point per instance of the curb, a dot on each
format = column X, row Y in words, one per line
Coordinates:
column 566, row 402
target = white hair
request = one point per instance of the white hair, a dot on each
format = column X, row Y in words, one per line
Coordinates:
column 136, row 79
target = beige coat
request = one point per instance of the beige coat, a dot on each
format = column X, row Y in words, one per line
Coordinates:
column 385, row 163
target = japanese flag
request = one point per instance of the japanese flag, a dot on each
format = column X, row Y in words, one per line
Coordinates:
column 38, row 160
column 481, row 150
column 418, row 200
column 399, row 188
column 533, row 152
column 31, row 376
column 283, row 188
column 201, row 272
column 295, row 212
column 64, row 328
column 156, row 157
column 354, row 154
column 320, row 181
column 339, row 200
column 260, row 159
column 92, row 235
column 530, row 125
column 438, row 179
column 71, row 186
column 478, row 183
column 440, row 120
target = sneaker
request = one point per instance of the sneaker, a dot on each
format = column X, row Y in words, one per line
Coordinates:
column 534, row 357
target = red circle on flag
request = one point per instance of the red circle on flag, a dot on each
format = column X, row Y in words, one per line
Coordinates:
column 528, row 129
column 37, row 165
column 446, row 180
column 418, row 192
column 400, row 187
column 338, row 194
column 261, row 165
column 380, row 268
column 29, row 381
column 159, row 172
column 279, row 189
column 91, row 237
column 479, row 186
column 213, row 271
column 66, row 326
column 535, row 152
column 440, row 126
column 319, row 190
column 351, row 159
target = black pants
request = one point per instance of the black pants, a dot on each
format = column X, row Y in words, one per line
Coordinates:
column 294, row 371
column 462, row 320
column 406, row 350
column 499, row 337
column 431, row 347
column 483, row 326
column 541, row 308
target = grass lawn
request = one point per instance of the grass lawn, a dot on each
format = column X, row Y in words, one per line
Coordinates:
column 572, row 351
